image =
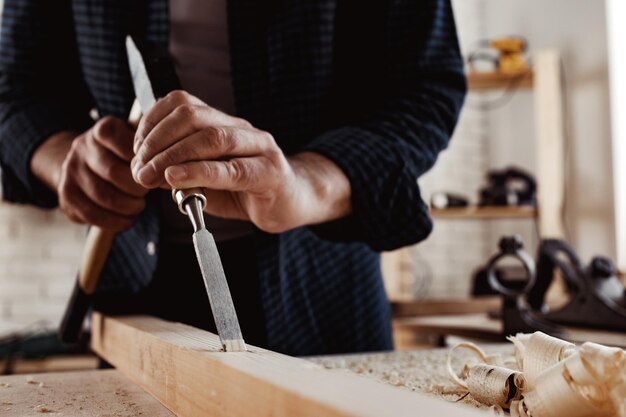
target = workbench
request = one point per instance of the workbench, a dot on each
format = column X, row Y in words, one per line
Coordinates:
column 167, row 368
column 108, row 393
column 105, row 393
column 486, row 328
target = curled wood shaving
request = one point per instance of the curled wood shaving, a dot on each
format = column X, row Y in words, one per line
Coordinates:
column 495, row 385
column 556, row 379
column 463, row 345
column 539, row 352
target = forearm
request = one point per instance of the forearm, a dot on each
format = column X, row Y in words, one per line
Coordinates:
column 326, row 190
column 48, row 158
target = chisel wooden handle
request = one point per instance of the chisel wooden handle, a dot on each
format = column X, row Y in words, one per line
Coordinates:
column 97, row 247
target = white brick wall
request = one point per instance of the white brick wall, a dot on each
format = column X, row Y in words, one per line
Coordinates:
column 39, row 257
column 443, row 265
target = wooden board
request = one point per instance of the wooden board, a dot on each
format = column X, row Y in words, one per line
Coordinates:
column 483, row 327
column 184, row 368
column 480, row 213
column 76, row 394
column 409, row 308
column 482, row 81
column 52, row 364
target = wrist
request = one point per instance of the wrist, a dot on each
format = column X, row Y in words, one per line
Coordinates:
column 324, row 190
column 47, row 160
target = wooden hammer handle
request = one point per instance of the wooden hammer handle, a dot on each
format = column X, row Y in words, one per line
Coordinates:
column 97, row 248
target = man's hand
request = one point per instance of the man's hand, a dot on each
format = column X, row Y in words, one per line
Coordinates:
column 93, row 180
column 184, row 143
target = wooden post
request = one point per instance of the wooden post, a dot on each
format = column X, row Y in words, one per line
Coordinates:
column 185, row 370
column 550, row 144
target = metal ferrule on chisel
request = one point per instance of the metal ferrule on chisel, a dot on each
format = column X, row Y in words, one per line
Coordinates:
column 191, row 202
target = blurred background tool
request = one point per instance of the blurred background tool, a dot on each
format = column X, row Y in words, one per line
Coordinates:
column 506, row 55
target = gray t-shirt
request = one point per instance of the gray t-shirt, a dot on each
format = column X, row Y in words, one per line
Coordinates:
column 200, row 50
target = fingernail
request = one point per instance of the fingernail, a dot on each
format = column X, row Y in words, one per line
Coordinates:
column 147, row 174
column 177, row 172
column 136, row 145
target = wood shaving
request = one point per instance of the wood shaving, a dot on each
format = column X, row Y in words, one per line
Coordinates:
column 5, row 385
column 549, row 378
column 7, row 403
column 31, row 380
column 42, row 408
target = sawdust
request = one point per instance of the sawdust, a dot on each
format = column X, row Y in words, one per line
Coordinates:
column 422, row 371
column 31, row 380
column 5, row 385
column 42, row 408
column 7, row 403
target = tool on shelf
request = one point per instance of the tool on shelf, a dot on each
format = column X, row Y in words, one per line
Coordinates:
column 444, row 200
column 509, row 187
column 506, row 55
column 154, row 76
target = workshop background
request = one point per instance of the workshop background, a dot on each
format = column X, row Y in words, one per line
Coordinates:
column 40, row 250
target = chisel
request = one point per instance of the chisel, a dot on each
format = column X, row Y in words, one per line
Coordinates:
column 153, row 77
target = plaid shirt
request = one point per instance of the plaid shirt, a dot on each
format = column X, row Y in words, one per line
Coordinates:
column 376, row 86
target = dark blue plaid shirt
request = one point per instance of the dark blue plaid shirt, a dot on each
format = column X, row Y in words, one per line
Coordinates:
column 376, row 86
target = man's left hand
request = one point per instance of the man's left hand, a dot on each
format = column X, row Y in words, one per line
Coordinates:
column 183, row 143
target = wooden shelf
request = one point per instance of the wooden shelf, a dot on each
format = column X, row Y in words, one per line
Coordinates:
column 433, row 307
column 482, row 81
column 477, row 213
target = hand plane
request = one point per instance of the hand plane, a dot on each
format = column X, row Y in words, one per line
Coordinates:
column 597, row 298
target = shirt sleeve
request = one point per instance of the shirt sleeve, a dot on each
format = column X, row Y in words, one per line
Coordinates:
column 41, row 91
column 412, row 108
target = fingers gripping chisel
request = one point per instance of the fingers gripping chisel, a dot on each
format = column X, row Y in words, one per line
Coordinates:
column 153, row 77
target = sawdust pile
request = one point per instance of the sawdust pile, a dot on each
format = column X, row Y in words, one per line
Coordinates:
column 422, row 371
column 546, row 377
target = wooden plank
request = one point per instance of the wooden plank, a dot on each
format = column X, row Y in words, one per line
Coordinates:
column 184, row 368
column 76, row 394
column 409, row 308
column 482, row 81
column 52, row 364
column 480, row 213
column 481, row 326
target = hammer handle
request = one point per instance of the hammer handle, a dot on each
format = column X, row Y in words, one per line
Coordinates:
column 97, row 247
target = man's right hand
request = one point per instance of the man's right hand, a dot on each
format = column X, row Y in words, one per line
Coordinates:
column 91, row 174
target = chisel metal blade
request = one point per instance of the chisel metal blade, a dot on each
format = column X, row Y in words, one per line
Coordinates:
column 219, row 294
column 153, row 77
